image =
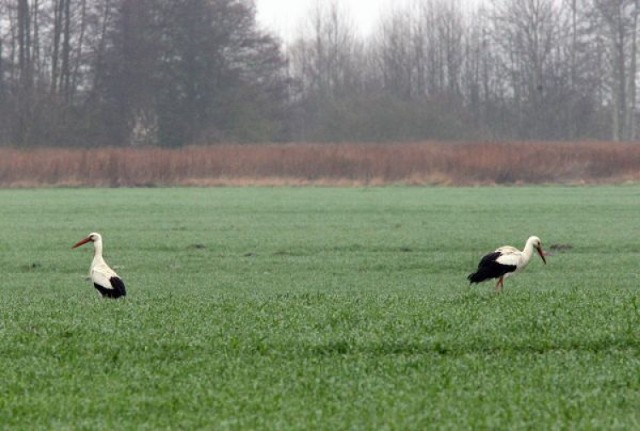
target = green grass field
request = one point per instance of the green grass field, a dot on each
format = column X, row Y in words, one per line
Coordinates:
column 319, row 308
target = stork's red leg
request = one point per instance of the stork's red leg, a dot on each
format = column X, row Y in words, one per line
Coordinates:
column 499, row 285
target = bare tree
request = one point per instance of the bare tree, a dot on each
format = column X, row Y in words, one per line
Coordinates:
column 526, row 32
column 618, row 22
column 395, row 54
column 328, row 63
column 326, row 54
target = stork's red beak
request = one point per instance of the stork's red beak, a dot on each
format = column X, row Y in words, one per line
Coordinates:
column 541, row 253
column 84, row 241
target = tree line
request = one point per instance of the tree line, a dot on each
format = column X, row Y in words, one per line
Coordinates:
column 177, row 72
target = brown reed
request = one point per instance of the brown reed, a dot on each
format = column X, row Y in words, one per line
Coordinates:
column 348, row 164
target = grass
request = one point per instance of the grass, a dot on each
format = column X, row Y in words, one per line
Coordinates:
column 319, row 308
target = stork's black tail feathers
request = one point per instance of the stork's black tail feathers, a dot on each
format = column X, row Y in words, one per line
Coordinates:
column 489, row 268
column 479, row 276
column 118, row 290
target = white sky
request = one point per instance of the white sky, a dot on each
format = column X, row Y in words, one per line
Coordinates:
column 285, row 17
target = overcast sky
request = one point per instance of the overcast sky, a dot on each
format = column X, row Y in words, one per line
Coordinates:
column 285, row 17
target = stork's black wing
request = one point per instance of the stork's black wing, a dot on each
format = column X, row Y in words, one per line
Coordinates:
column 489, row 268
column 116, row 290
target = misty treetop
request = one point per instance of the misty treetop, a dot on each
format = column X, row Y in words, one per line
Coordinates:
column 177, row 72
column 123, row 72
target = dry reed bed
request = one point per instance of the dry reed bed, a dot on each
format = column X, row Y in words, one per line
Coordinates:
column 428, row 163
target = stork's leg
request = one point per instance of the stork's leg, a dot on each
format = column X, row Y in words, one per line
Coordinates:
column 500, row 284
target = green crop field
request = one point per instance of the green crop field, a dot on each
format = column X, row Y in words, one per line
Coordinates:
column 320, row 308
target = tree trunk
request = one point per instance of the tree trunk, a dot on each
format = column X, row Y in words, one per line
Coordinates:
column 24, row 126
column 630, row 117
column 55, row 55
column 83, row 26
column 24, row 43
column 35, row 52
column 65, row 75
column 1, row 75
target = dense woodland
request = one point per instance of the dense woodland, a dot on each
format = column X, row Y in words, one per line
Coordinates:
column 177, row 72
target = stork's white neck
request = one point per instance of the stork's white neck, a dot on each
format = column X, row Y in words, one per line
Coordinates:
column 98, row 260
column 97, row 248
column 528, row 250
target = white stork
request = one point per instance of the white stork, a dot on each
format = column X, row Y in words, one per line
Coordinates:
column 505, row 261
column 105, row 279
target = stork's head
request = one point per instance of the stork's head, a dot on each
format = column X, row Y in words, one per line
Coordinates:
column 537, row 244
column 93, row 237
